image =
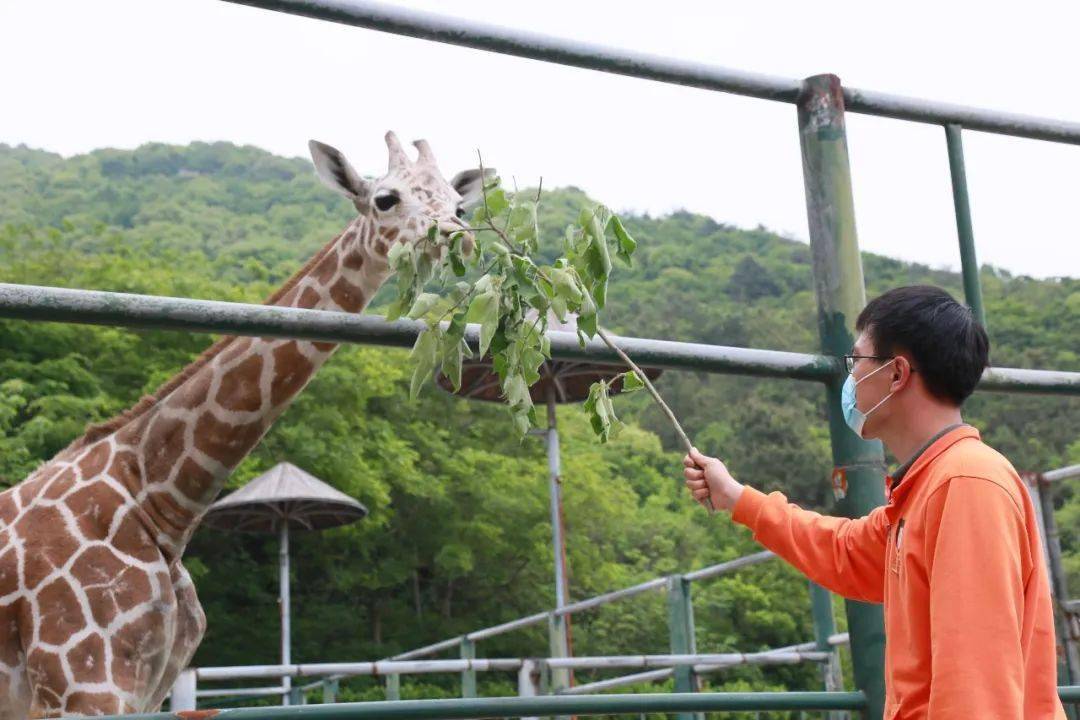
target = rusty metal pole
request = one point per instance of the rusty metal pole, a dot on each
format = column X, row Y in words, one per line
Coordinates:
column 559, row 631
column 1067, row 626
column 859, row 465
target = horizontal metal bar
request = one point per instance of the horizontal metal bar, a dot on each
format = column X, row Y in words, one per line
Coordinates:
column 543, row 705
column 621, row 681
column 1069, row 693
column 522, row 43
column 710, row 660
column 382, row 667
column 1018, row 380
column 1065, row 473
column 729, row 566
column 431, row 649
column 241, row 692
column 31, row 302
column 606, row 598
column 506, row 627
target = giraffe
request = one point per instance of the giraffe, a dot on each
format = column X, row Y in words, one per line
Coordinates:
column 97, row 613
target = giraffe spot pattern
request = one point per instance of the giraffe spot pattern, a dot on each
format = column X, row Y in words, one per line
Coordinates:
column 94, row 505
column 239, row 390
column 87, row 660
column 38, row 528
column 59, row 612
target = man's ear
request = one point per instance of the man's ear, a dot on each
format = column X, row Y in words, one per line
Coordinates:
column 902, row 371
column 337, row 174
column 469, row 185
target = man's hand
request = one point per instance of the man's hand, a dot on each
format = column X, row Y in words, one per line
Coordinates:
column 706, row 477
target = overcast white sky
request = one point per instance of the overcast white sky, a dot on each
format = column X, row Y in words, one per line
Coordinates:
column 82, row 75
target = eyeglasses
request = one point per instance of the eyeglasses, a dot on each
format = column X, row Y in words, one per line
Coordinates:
column 849, row 360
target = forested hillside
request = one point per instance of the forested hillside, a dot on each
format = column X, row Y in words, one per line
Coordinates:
column 458, row 537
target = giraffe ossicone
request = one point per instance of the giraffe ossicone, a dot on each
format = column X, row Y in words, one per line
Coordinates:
column 97, row 613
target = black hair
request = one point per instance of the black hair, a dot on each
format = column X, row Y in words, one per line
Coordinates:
column 948, row 346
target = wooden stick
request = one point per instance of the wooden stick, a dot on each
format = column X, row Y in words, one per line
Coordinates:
column 656, row 396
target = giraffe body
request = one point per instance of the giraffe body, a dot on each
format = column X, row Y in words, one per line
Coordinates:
column 97, row 613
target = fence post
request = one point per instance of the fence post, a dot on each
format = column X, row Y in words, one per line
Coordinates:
column 681, row 629
column 821, row 610
column 528, row 681
column 393, row 687
column 559, row 678
column 969, row 266
column 183, row 691
column 1058, row 585
column 330, row 688
column 859, row 465
column 468, row 677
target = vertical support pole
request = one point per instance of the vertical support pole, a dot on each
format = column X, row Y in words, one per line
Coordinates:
column 297, row 696
column 330, row 689
column 468, row 677
column 183, row 691
column 528, row 681
column 283, row 594
column 859, row 465
column 681, row 629
column 558, row 529
column 393, row 687
column 821, row 610
column 1066, row 629
column 559, row 677
column 968, row 264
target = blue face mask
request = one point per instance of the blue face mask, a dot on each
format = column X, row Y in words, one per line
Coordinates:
column 854, row 417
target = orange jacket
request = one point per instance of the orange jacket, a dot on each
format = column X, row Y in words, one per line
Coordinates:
column 956, row 558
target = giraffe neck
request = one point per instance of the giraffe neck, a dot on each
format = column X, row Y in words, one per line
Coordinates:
column 184, row 448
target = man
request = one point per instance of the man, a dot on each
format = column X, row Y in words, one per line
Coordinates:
column 955, row 554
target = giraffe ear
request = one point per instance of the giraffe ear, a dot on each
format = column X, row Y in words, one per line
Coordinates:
column 469, row 185
column 337, row 174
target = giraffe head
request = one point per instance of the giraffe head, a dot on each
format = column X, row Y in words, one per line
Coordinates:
column 404, row 203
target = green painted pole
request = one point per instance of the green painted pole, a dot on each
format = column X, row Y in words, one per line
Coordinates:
column 821, row 609
column 330, row 690
column 681, row 629
column 969, row 265
column 558, row 679
column 498, row 707
column 393, row 687
column 859, row 465
column 468, row 677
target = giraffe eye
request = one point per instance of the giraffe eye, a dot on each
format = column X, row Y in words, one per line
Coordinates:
column 385, row 202
column 461, row 212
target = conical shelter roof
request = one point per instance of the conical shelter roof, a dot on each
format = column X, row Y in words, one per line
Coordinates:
column 284, row 493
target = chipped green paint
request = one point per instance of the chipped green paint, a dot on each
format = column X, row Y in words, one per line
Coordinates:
column 838, row 284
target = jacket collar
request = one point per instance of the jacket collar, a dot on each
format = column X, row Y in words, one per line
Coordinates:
column 898, row 494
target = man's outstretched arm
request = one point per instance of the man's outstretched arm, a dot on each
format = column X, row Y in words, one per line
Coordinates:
column 844, row 555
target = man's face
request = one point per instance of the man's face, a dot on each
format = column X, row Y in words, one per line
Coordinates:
column 871, row 388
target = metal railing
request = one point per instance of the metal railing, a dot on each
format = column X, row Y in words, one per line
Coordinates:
column 152, row 312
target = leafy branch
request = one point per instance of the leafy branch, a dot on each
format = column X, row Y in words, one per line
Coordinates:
column 511, row 295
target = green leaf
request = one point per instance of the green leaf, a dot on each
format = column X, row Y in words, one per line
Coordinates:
column 516, row 390
column 627, row 244
column 423, row 305
column 631, row 382
column 423, row 356
column 485, row 310
column 497, row 201
column 587, row 324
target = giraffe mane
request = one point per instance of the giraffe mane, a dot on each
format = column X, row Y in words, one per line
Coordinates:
column 96, row 431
